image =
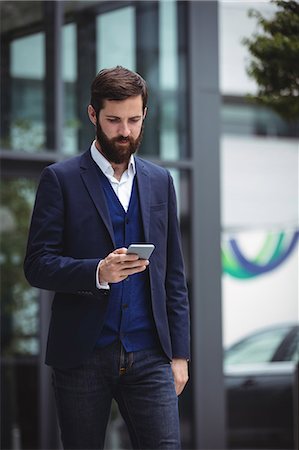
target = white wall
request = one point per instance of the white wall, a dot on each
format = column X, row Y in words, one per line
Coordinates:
column 259, row 189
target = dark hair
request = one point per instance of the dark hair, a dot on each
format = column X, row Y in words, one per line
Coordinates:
column 117, row 83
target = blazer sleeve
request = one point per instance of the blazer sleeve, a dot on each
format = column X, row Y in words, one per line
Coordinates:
column 45, row 266
column 176, row 289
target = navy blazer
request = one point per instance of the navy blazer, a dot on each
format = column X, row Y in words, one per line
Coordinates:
column 71, row 231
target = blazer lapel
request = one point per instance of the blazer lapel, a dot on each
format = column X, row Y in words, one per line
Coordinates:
column 91, row 180
column 144, row 186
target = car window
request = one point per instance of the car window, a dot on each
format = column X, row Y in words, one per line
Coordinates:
column 293, row 354
column 257, row 348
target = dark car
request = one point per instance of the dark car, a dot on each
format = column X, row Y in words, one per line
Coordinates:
column 261, row 373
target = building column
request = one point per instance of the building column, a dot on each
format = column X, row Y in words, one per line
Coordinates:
column 54, row 112
column 204, row 114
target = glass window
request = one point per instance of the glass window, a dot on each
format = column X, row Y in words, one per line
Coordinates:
column 19, row 321
column 19, row 300
column 168, row 74
column 259, row 348
column 116, row 39
column 27, row 71
column 241, row 118
column 69, row 74
column 181, row 181
column 295, row 356
column 292, row 353
column 172, row 89
column 166, row 131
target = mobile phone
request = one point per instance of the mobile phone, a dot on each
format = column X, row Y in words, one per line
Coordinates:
column 144, row 251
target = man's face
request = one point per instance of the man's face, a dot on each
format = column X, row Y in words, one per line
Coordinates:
column 120, row 128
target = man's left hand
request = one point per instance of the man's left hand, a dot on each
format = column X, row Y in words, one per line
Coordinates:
column 180, row 374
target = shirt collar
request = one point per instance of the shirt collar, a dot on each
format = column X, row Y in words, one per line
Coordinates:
column 105, row 165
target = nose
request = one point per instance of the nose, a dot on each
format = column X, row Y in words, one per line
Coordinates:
column 124, row 129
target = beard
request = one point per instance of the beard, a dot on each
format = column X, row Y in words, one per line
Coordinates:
column 114, row 149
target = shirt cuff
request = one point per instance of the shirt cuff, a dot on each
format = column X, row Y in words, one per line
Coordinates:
column 99, row 285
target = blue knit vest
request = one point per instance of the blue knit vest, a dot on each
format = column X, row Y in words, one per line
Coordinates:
column 129, row 316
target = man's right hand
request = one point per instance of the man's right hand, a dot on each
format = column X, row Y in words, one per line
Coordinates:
column 118, row 265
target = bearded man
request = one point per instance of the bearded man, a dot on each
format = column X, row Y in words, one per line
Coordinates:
column 120, row 325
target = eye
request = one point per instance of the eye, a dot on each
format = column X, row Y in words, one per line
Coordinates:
column 112, row 119
column 134, row 119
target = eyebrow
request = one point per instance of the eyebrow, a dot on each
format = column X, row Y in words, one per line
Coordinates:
column 117, row 117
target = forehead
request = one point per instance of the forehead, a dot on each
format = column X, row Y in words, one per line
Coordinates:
column 131, row 106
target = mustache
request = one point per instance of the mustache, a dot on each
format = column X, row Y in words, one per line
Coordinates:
column 122, row 139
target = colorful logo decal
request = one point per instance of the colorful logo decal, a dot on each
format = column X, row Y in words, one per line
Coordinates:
column 276, row 248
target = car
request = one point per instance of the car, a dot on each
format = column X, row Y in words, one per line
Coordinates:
column 261, row 379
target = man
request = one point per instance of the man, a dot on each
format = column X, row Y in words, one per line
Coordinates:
column 120, row 325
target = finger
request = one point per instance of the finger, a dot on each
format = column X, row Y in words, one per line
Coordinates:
column 118, row 256
column 132, row 271
column 122, row 250
column 135, row 264
column 129, row 257
column 128, row 262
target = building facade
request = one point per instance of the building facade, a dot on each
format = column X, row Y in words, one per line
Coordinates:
column 198, row 122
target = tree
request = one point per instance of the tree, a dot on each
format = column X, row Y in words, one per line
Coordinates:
column 275, row 59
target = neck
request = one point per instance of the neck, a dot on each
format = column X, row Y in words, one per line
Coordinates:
column 119, row 169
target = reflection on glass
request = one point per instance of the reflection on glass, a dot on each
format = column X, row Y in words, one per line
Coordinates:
column 239, row 117
column 19, row 321
column 168, row 74
column 69, row 74
column 19, row 301
column 116, row 39
column 27, row 70
column 168, row 45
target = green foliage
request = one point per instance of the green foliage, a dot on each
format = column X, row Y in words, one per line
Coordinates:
column 18, row 299
column 275, row 59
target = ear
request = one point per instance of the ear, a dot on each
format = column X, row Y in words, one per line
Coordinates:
column 92, row 114
column 144, row 112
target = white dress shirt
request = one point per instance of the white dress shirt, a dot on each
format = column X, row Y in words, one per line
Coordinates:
column 122, row 188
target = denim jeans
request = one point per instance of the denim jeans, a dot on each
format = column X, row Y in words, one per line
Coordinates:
column 141, row 383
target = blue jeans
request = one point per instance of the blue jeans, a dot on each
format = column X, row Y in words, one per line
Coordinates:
column 141, row 383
